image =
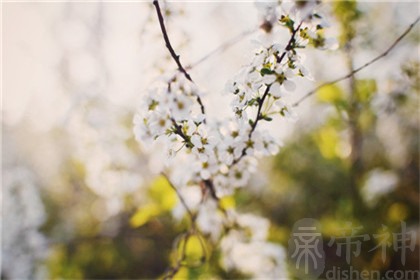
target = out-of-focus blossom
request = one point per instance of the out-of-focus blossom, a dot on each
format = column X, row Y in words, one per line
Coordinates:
column 378, row 183
column 23, row 246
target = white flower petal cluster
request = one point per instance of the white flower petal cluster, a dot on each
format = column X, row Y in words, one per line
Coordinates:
column 378, row 183
column 169, row 106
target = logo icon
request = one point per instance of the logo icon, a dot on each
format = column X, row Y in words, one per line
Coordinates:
column 306, row 249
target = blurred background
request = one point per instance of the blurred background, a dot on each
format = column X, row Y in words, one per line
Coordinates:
column 76, row 184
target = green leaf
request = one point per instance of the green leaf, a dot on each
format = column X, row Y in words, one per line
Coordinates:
column 251, row 102
column 153, row 105
column 288, row 22
column 266, row 71
column 267, row 118
column 317, row 15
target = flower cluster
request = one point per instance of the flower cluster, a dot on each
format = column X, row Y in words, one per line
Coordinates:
column 168, row 110
column 271, row 74
column 208, row 149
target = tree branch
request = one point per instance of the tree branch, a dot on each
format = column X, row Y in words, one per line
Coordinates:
column 168, row 43
column 183, row 202
column 172, row 51
column 258, row 117
column 178, row 131
column 354, row 71
column 222, row 47
column 176, row 58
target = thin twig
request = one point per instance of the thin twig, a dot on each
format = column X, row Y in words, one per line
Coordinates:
column 173, row 54
column 350, row 74
column 181, row 198
column 222, row 47
column 178, row 131
column 168, row 43
column 219, row 49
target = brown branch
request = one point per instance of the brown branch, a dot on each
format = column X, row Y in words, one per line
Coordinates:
column 200, row 102
column 258, row 117
column 176, row 58
column 354, row 71
column 208, row 184
column 173, row 53
column 178, row 131
column 168, row 43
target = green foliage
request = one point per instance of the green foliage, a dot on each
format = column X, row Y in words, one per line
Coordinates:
column 288, row 22
column 347, row 14
column 266, row 71
column 365, row 90
column 315, row 181
column 267, row 118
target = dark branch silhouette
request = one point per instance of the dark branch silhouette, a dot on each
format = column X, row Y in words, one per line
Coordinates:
column 354, row 71
column 168, row 43
column 172, row 51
